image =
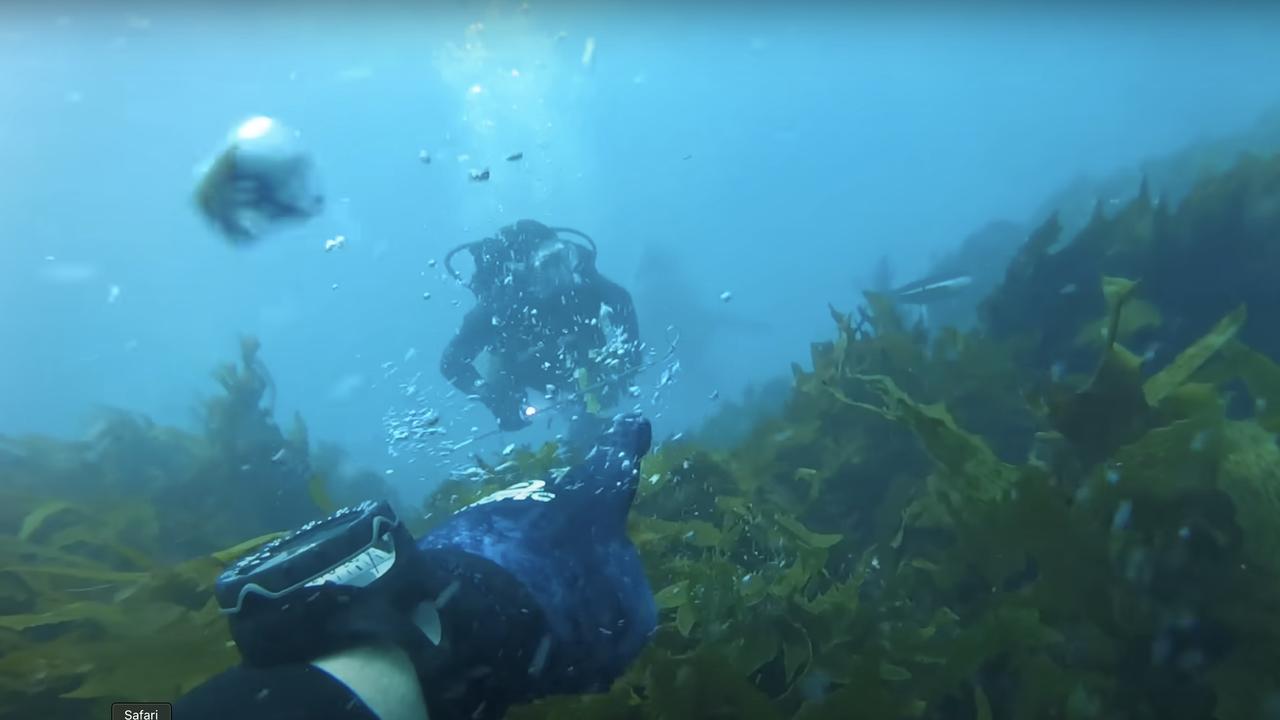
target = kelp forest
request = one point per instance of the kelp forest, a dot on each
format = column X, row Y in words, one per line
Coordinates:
column 1069, row 510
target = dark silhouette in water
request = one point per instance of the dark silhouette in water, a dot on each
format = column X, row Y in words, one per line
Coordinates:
column 882, row 276
column 671, row 300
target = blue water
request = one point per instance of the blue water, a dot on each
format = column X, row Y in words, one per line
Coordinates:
column 771, row 151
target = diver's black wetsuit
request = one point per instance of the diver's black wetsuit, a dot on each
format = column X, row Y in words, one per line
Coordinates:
column 540, row 339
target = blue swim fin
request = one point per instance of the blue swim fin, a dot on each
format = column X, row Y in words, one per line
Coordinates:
column 563, row 539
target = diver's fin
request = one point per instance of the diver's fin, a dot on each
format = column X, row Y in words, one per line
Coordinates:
column 610, row 473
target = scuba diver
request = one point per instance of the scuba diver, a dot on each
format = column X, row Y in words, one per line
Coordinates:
column 549, row 320
column 532, row 591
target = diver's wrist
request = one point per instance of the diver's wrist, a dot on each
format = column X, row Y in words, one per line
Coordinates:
column 382, row 677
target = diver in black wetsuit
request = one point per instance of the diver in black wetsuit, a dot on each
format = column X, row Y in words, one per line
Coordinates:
column 532, row 591
column 549, row 320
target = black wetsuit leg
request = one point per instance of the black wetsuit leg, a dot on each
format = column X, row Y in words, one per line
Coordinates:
column 283, row 692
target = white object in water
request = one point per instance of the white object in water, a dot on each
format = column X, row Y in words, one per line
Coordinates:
column 260, row 181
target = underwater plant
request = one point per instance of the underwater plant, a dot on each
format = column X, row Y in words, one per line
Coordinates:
column 109, row 545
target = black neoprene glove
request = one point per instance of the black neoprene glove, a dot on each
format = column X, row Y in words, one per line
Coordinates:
column 508, row 406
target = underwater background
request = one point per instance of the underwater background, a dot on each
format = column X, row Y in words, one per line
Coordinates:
column 1055, row 495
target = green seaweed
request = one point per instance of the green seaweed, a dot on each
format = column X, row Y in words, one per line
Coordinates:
column 1162, row 384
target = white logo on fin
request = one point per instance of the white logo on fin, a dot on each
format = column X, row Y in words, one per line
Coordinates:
column 530, row 490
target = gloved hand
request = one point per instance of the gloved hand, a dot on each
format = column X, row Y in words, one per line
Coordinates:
column 512, row 421
column 507, row 404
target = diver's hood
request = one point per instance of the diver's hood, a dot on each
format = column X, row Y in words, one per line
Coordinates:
column 527, row 248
